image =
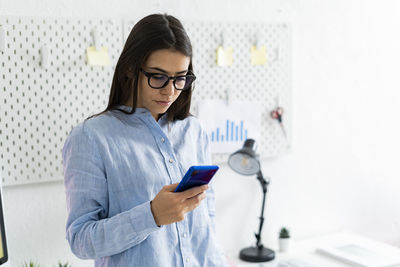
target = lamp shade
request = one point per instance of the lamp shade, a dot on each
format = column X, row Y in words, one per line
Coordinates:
column 244, row 161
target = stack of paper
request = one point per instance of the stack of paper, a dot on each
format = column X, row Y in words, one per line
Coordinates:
column 363, row 255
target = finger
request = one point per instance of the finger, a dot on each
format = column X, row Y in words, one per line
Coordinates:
column 194, row 191
column 193, row 202
column 200, row 196
column 170, row 187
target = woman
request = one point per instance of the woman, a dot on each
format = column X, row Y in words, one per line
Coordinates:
column 122, row 165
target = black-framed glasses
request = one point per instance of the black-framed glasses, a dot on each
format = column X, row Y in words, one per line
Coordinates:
column 159, row 80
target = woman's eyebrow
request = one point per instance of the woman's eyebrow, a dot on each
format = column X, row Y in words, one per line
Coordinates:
column 161, row 70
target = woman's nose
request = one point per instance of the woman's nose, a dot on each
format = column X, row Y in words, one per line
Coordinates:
column 169, row 89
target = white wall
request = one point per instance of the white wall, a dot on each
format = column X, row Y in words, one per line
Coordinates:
column 341, row 173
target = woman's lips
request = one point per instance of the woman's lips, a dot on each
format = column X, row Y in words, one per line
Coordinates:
column 163, row 103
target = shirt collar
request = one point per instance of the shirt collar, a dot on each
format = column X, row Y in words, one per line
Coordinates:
column 143, row 113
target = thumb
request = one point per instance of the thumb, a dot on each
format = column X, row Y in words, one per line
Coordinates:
column 170, row 187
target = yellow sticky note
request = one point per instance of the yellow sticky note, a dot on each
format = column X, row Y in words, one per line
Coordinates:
column 258, row 56
column 224, row 56
column 98, row 57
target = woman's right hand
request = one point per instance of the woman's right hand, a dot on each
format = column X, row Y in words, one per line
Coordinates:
column 169, row 206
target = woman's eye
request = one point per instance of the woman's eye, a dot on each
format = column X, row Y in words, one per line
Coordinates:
column 181, row 79
column 158, row 77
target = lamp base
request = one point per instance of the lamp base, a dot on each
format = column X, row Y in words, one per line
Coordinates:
column 255, row 254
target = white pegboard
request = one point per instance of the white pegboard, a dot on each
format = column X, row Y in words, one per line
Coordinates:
column 243, row 81
column 39, row 107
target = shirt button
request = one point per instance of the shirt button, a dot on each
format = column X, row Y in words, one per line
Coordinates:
column 162, row 139
column 187, row 260
column 171, row 161
column 184, row 235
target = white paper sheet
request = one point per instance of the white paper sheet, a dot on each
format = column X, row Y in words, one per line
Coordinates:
column 229, row 125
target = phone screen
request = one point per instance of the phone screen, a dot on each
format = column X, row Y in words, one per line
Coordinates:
column 196, row 176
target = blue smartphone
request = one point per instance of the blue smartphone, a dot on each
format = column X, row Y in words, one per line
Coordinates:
column 196, row 176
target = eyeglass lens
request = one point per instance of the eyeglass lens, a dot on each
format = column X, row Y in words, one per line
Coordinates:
column 180, row 82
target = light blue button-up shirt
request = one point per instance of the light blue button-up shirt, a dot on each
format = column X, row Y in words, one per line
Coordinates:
column 114, row 165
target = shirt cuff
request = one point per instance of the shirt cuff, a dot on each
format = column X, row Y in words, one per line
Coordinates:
column 142, row 219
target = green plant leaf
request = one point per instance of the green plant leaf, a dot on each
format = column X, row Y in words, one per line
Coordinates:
column 63, row 265
column 30, row 264
column 284, row 233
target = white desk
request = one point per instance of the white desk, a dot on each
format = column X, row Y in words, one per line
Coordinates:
column 305, row 250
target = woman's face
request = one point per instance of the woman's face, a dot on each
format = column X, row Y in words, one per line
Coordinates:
column 164, row 61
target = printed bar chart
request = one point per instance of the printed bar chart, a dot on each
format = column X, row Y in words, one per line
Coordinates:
column 229, row 125
column 232, row 132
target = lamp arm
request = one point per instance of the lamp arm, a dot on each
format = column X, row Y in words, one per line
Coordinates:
column 264, row 185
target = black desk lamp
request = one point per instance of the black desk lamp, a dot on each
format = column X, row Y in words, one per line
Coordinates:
column 245, row 162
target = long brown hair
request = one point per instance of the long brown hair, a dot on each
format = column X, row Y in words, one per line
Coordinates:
column 153, row 32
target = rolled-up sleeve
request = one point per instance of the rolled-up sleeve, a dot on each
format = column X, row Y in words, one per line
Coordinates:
column 89, row 231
